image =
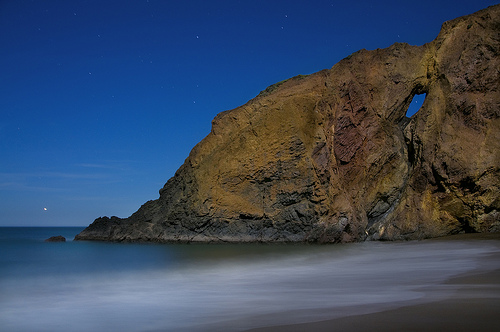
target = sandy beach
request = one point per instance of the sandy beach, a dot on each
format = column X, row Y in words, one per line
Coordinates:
column 473, row 306
column 446, row 284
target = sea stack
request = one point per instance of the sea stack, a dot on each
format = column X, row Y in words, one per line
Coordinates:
column 332, row 156
column 58, row 238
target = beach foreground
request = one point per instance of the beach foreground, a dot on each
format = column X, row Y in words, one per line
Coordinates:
column 474, row 305
column 441, row 284
column 464, row 312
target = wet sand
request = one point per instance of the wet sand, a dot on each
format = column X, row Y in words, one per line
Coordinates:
column 441, row 284
column 474, row 306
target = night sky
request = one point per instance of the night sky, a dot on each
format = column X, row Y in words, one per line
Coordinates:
column 101, row 101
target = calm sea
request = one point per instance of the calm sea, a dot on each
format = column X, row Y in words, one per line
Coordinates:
column 92, row 286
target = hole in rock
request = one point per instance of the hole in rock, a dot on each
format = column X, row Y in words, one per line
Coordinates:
column 415, row 104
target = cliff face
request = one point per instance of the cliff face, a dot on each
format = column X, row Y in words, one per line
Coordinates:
column 332, row 157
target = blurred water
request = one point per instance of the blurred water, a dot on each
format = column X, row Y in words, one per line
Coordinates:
column 82, row 286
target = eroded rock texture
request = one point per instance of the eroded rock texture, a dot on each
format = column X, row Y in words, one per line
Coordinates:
column 332, row 157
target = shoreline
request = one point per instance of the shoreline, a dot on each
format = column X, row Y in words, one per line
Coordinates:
column 473, row 306
column 474, row 314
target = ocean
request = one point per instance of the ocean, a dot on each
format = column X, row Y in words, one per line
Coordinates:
column 95, row 286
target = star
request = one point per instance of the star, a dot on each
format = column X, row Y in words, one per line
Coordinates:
column 45, row 209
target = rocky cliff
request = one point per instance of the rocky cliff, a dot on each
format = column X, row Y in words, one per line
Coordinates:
column 332, row 157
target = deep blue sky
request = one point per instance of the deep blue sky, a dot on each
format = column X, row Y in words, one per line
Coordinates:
column 101, row 101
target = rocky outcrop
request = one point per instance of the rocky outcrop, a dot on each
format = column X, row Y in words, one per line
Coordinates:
column 58, row 238
column 332, row 157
